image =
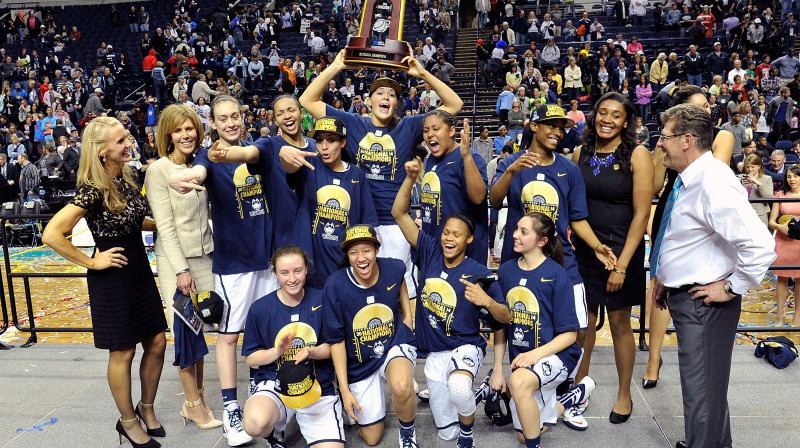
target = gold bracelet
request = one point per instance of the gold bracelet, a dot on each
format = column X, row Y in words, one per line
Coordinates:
column 619, row 271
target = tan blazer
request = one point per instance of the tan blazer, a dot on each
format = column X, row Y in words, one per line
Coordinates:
column 659, row 70
column 572, row 77
column 181, row 219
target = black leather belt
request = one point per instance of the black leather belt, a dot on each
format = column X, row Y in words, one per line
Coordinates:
column 681, row 289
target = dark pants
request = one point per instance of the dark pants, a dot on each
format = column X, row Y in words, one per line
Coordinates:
column 504, row 116
column 705, row 346
column 781, row 130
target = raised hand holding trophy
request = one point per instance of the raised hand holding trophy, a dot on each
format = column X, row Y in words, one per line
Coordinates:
column 379, row 42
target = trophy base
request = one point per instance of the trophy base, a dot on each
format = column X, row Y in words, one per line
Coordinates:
column 390, row 56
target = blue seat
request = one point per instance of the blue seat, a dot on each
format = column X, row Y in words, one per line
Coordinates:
column 783, row 145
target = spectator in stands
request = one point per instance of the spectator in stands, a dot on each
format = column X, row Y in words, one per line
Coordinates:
column 430, row 94
column 694, row 65
column 256, row 70
column 502, row 139
column 788, row 65
column 29, row 179
column 619, row 74
column 144, row 20
column 686, row 21
column 735, row 127
column 331, row 93
column 483, row 144
column 504, row 103
column 551, row 55
column 779, row 117
column 621, row 12
column 791, row 28
column 520, row 27
column 644, row 94
column 516, row 120
column 202, row 90
column 638, row 11
column 547, row 29
column 446, row 69
column 597, row 31
column 572, row 79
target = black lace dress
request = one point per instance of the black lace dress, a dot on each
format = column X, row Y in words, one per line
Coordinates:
column 125, row 304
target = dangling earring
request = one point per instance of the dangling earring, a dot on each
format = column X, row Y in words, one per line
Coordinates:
column 104, row 159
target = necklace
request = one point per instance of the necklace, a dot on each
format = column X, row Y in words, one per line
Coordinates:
column 596, row 162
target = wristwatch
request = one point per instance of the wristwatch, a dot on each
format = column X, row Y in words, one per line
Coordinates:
column 729, row 288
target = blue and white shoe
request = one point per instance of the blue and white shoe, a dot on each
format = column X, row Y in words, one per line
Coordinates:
column 232, row 427
column 408, row 441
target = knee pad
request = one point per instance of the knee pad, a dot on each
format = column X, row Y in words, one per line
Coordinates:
column 461, row 394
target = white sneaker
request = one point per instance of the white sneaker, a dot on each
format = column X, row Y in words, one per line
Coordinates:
column 232, row 427
column 583, row 406
column 574, row 419
column 408, row 442
column 424, row 395
column 589, row 385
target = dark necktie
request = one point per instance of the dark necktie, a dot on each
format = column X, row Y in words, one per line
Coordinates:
column 662, row 229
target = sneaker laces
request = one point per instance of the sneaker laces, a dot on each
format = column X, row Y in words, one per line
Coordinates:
column 483, row 391
column 408, row 442
column 572, row 412
column 235, row 417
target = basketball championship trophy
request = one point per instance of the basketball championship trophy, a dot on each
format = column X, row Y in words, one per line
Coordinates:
column 379, row 42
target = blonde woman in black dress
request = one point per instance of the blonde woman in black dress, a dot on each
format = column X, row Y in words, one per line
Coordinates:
column 125, row 303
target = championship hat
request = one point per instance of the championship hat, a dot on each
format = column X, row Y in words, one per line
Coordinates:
column 209, row 305
column 297, row 384
column 549, row 112
column 358, row 233
column 386, row 82
column 329, row 124
column 498, row 408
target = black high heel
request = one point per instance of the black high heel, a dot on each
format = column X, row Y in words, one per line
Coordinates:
column 620, row 418
column 649, row 384
column 122, row 433
column 154, row 432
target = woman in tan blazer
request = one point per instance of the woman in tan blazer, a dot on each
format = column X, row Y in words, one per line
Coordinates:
column 184, row 243
column 572, row 79
column 659, row 70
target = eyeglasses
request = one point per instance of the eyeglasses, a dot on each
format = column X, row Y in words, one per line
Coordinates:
column 664, row 137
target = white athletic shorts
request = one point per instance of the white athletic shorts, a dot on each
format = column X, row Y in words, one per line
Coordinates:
column 395, row 245
column 319, row 422
column 438, row 367
column 580, row 305
column 551, row 372
column 239, row 291
column 369, row 391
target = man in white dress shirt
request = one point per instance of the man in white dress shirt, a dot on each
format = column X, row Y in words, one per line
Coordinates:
column 712, row 250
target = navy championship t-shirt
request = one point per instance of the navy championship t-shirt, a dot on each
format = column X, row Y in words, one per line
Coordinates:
column 238, row 207
column 367, row 319
column 381, row 154
column 542, row 307
column 330, row 202
column 269, row 320
column 445, row 320
column 556, row 190
column 444, row 192
column 281, row 197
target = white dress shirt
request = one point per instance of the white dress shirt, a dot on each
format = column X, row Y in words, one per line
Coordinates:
column 713, row 231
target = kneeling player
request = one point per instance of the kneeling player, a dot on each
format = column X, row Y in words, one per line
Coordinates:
column 282, row 331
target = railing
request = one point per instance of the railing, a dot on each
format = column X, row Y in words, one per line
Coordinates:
column 14, row 320
column 26, row 276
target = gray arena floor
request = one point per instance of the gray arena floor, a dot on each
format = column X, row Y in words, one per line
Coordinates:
column 67, row 382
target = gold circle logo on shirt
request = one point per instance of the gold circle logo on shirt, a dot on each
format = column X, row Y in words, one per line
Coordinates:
column 524, row 314
column 242, row 177
column 334, row 196
column 439, row 301
column 430, row 198
column 540, row 196
column 373, row 327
